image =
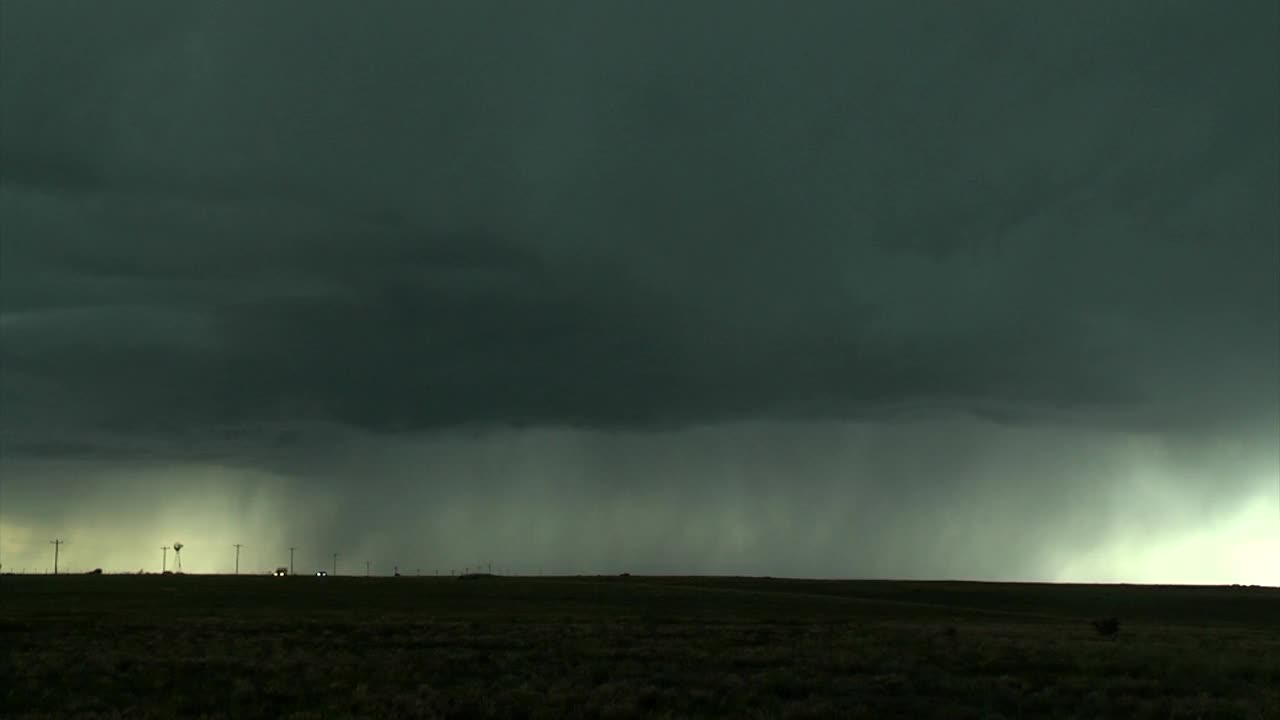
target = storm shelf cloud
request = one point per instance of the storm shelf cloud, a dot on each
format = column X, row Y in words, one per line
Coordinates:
column 878, row 289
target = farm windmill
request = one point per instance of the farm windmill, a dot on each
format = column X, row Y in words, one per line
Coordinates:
column 177, row 557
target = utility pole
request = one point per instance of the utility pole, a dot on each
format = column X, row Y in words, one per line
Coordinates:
column 57, row 544
column 291, row 559
column 335, row 564
column 164, row 559
column 238, row 546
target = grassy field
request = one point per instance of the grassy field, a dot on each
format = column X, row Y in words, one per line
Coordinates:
column 618, row 647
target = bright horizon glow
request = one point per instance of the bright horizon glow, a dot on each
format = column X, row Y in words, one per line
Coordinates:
column 1243, row 549
column 1117, row 509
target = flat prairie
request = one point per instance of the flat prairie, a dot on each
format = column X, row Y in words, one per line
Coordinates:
column 160, row 646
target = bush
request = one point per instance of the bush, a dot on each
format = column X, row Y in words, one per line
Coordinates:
column 1107, row 627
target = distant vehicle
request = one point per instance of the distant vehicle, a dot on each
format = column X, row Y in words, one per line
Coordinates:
column 281, row 572
column 321, row 573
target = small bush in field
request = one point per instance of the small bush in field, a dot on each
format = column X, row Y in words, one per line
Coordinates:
column 1107, row 627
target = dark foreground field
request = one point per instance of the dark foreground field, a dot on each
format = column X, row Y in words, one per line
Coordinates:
column 241, row 647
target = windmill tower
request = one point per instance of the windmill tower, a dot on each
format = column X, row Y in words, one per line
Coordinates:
column 177, row 557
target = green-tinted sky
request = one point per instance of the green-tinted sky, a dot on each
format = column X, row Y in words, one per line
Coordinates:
column 925, row 289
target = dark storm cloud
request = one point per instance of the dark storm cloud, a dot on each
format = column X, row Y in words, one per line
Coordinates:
column 412, row 216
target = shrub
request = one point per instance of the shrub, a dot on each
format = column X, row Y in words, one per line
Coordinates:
column 1107, row 627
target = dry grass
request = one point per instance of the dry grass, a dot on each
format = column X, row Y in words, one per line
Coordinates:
column 629, row 647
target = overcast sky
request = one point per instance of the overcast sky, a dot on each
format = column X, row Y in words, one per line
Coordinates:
column 923, row 289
